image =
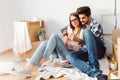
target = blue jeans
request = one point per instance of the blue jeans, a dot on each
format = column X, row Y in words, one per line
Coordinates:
column 79, row 58
column 101, row 49
column 54, row 46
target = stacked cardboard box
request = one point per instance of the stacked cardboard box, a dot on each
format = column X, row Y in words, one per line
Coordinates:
column 32, row 27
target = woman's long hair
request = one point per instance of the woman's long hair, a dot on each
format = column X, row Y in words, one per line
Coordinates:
column 76, row 15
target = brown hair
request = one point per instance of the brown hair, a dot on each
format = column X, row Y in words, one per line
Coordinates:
column 84, row 10
column 74, row 14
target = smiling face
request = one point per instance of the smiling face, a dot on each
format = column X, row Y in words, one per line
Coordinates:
column 74, row 21
column 85, row 20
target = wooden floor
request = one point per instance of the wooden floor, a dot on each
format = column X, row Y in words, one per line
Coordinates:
column 8, row 56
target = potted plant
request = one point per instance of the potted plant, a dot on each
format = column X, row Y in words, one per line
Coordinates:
column 41, row 33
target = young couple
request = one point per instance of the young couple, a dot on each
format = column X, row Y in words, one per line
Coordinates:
column 82, row 29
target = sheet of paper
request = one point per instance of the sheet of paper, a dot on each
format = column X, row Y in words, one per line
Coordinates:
column 5, row 67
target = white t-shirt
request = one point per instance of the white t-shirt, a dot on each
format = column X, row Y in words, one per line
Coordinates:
column 80, row 35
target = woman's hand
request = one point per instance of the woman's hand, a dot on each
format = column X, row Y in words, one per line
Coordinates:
column 76, row 47
column 69, row 45
column 67, row 42
column 72, row 37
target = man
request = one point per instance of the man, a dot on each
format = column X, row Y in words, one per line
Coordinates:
column 89, row 23
column 93, row 38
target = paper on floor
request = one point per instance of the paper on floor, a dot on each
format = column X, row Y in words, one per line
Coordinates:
column 48, row 69
column 6, row 67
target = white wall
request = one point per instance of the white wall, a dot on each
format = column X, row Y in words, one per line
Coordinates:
column 7, row 15
column 55, row 13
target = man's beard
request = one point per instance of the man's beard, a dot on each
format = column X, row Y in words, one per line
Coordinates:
column 85, row 23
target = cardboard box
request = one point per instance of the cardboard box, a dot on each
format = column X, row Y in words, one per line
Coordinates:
column 114, row 75
column 32, row 27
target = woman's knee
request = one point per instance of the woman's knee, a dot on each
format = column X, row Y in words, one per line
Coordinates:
column 54, row 35
column 43, row 43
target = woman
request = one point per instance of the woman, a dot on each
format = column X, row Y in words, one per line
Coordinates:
column 74, row 34
column 56, row 45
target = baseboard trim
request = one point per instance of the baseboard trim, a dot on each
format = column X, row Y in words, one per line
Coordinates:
column 5, row 51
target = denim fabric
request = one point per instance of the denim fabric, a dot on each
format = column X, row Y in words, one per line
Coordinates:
column 54, row 46
column 38, row 53
column 92, row 67
column 101, row 49
column 91, row 47
column 64, row 28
